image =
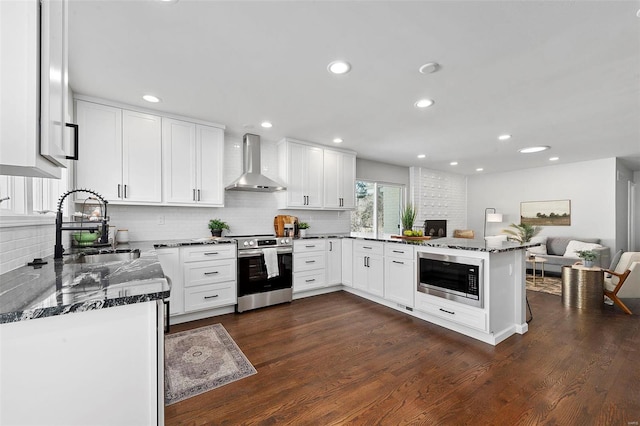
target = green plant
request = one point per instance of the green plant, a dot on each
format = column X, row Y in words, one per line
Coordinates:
column 218, row 224
column 303, row 225
column 523, row 232
column 408, row 216
column 588, row 255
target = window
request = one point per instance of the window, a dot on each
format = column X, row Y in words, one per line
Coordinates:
column 378, row 209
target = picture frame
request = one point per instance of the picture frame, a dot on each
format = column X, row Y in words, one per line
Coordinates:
column 546, row 213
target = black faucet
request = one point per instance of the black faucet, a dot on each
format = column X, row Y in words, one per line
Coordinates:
column 71, row 226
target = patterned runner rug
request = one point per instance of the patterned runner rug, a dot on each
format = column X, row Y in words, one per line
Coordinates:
column 201, row 359
column 551, row 285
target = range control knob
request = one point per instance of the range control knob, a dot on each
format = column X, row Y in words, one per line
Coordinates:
column 287, row 241
column 251, row 242
column 246, row 243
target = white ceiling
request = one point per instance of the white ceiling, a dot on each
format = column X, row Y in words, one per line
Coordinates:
column 559, row 73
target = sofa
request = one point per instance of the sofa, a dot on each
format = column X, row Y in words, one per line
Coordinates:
column 554, row 248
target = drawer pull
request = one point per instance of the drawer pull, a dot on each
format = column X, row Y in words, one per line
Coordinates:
column 398, row 251
column 310, row 281
column 367, row 247
column 211, row 273
column 310, row 261
column 210, row 253
column 311, row 246
column 210, row 297
column 449, row 312
column 396, row 261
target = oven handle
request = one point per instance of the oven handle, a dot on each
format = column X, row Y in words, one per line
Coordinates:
column 259, row 252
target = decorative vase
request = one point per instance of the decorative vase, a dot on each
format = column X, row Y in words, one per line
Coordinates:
column 588, row 263
column 302, row 233
column 216, row 232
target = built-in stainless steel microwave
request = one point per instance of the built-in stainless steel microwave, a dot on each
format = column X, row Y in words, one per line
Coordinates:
column 456, row 278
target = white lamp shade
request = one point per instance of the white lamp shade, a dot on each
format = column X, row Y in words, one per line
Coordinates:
column 494, row 217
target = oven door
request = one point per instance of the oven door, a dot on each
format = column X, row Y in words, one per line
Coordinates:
column 252, row 273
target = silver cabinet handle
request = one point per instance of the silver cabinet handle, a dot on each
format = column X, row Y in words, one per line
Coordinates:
column 310, row 246
column 210, row 297
column 401, row 263
column 211, row 273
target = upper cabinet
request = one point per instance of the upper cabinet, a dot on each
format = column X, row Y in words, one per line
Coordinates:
column 339, row 179
column 301, row 168
column 192, row 162
column 316, row 178
column 34, row 85
column 121, row 153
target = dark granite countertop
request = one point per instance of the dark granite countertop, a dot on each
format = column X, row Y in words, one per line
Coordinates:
column 64, row 286
column 452, row 243
column 193, row 242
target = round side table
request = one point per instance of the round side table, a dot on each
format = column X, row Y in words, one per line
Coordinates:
column 582, row 287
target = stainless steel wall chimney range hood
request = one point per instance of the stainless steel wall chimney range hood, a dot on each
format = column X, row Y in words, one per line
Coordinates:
column 251, row 178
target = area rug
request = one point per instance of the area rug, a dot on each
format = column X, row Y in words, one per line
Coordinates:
column 200, row 360
column 551, row 285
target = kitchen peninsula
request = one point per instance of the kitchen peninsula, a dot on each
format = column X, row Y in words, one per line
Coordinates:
column 72, row 332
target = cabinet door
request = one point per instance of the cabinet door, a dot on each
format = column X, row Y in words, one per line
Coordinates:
column 178, row 161
column 53, row 83
column 332, row 181
column 210, row 157
column 375, row 266
column 170, row 262
column 100, row 166
column 360, row 271
column 347, row 262
column 334, row 262
column 348, row 181
column 399, row 281
column 296, row 175
column 314, row 183
column 142, row 157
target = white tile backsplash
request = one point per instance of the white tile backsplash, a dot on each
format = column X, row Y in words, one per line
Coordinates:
column 21, row 244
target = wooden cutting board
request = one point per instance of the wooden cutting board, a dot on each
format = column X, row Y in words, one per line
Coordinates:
column 404, row 237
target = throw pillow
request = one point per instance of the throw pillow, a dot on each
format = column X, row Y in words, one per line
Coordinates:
column 574, row 246
column 541, row 249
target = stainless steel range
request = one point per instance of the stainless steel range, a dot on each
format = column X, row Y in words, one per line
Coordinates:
column 265, row 271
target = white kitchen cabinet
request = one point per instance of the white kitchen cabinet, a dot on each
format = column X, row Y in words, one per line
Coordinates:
column 33, row 83
column 52, row 364
column 309, row 265
column 192, row 158
column 347, row 262
column 334, row 261
column 301, row 168
column 468, row 316
column 368, row 267
column 399, row 273
column 121, row 153
column 339, row 179
column 169, row 258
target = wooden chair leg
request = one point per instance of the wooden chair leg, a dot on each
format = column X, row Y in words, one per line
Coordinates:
column 618, row 302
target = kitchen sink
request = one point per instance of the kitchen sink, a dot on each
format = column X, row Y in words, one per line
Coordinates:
column 118, row 256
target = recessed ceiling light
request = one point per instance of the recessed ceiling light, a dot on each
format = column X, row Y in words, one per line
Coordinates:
column 424, row 103
column 453, row 163
column 421, row 155
column 429, row 68
column 504, row 137
column 337, row 140
column 554, row 158
column 151, row 98
column 533, row 149
column 266, row 124
column 339, row 67
column 479, row 169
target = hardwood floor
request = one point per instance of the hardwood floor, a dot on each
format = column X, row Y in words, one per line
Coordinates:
column 340, row 359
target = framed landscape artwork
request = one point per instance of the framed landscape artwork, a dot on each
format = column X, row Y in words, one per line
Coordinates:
column 546, row 213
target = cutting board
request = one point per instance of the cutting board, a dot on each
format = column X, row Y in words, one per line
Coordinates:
column 404, row 237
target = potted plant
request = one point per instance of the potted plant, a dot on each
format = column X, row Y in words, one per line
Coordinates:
column 523, row 232
column 302, row 229
column 587, row 256
column 408, row 217
column 216, row 226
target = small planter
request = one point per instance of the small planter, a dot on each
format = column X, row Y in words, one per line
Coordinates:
column 302, row 233
column 216, row 232
column 588, row 263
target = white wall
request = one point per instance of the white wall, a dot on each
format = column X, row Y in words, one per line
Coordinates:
column 590, row 186
column 636, row 218
column 247, row 213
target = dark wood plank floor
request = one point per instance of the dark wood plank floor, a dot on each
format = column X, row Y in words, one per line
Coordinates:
column 340, row 359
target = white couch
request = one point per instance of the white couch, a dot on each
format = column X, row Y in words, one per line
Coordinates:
column 554, row 249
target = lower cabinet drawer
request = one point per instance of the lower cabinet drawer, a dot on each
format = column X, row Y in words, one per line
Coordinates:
column 208, row 272
column 209, row 296
column 308, row 280
column 308, row 261
column 455, row 312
